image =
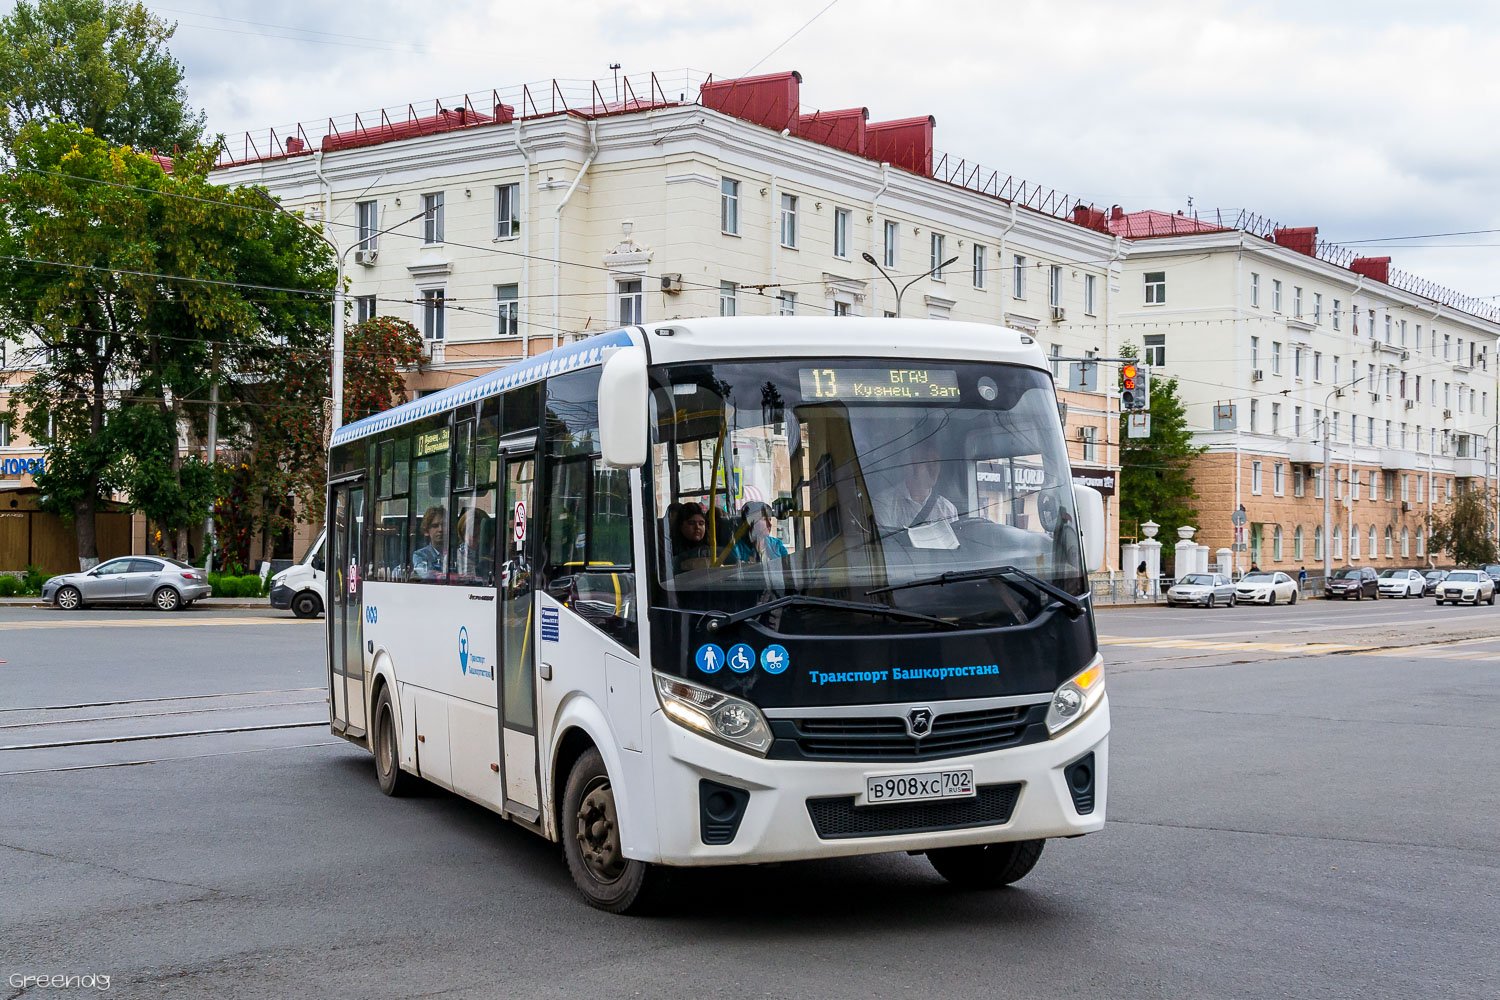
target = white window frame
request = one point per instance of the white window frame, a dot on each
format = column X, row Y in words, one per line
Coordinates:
column 507, row 211
column 937, row 242
column 1018, row 277
column 1156, row 287
column 789, row 221
column 1275, row 357
column 365, row 307
column 368, row 217
column 1254, row 290
column 1089, row 283
column 1154, row 354
column 729, row 298
column 432, row 313
column 891, row 247
column 979, row 264
column 1278, row 479
column 729, row 206
column 841, row 233
column 1335, row 315
column 432, row 218
column 508, row 310
column 630, row 300
column 1255, row 477
column 1054, row 285
column 786, row 303
column 1276, row 295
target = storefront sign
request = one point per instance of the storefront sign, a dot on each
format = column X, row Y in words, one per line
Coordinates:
column 1102, row 480
column 22, row 466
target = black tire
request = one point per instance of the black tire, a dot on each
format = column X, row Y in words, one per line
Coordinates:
column 591, row 843
column 1294, row 597
column 68, row 599
column 986, row 866
column 385, row 740
column 1359, row 595
column 1271, row 602
column 307, row 604
column 1232, row 601
column 167, row 599
column 1210, row 601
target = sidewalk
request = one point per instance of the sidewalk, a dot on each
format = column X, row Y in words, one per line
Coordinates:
column 220, row 603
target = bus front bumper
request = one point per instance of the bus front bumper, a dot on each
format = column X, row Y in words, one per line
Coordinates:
column 777, row 823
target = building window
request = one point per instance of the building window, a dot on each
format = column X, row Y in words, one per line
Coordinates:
column 1421, row 543
column 1354, row 485
column 1090, row 443
column 1403, row 333
column 432, row 218
column 937, row 256
column 1297, row 301
column 1296, row 421
column 841, row 309
column 1278, row 479
column 1255, row 478
column 1275, row 357
column 1335, row 317
column 1276, row 295
column 364, row 308
column 1387, row 328
column 432, row 313
column 786, row 304
column 1276, row 544
column 1317, row 366
column 1254, row 415
column 508, row 308
column 729, row 206
column 1054, row 286
column 1317, row 307
column 892, row 233
column 1405, row 541
column 1390, row 485
column 1353, row 542
column 841, row 232
column 1318, row 543
column 1254, row 352
column 631, row 301
column 4, row 434
column 368, row 213
column 1156, row 349
column 1156, row 288
column 1338, row 542
column 507, row 211
column 1297, row 362
column 1018, row 277
column 728, row 298
column 1255, row 289
column 979, row 263
column 789, row 221
column 1088, row 294
column 1373, row 550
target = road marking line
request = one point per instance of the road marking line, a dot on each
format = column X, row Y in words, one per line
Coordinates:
column 145, row 623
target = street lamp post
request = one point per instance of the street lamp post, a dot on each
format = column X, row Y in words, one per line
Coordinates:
column 337, row 374
column 1328, row 481
column 902, row 290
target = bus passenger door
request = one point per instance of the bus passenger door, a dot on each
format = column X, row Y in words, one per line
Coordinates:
column 345, row 603
column 517, row 543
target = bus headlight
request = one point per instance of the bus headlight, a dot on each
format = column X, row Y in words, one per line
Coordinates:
column 1076, row 697
column 729, row 720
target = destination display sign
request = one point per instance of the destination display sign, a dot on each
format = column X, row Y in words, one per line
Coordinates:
column 879, row 384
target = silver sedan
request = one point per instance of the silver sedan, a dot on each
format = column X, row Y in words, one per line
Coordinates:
column 1203, row 590
column 156, row 580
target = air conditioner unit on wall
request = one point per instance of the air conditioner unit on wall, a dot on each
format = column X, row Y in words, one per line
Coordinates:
column 1411, row 404
column 1447, row 414
column 1257, row 375
column 366, row 257
column 671, row 283
column 1059, row 314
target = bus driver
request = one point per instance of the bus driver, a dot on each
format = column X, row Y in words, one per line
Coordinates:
column 915, row 501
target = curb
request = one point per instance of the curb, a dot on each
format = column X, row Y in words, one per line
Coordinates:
column 227, row 603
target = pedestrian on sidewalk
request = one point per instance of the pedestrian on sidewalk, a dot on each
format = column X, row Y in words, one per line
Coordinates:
column 1142, row 582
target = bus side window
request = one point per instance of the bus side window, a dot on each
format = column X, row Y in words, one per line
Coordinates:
column 587, row 561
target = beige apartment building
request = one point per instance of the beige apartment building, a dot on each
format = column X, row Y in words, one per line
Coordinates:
column 1282, row 343
column 524, row 219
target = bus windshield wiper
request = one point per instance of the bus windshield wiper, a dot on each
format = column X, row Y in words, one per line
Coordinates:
column 716, row 620
column 1071, row 604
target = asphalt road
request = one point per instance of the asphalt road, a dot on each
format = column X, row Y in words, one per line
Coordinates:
column 1286, row 819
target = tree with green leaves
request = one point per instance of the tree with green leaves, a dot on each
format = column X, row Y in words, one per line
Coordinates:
column 1156, row 481
column 101, row 64
column 136, row 291
column 1465, row 529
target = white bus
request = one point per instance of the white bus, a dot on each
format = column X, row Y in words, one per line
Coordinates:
column 730, row 591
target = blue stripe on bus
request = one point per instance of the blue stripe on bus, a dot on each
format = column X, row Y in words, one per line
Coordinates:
column 562, row 359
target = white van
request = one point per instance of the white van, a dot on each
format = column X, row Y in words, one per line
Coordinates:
column 301, row 586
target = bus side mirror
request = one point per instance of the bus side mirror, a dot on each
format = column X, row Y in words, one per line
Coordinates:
column 1090, row 505
column 624, row 405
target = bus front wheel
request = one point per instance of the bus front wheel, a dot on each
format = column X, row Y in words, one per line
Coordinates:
column 986, row 866
column 591, row 841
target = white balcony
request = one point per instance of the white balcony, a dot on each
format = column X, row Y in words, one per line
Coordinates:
column 1397, row 458
column 1305, row 453
column 1469, row 468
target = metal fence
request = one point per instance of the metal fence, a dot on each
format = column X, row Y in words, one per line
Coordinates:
column 1122, row 588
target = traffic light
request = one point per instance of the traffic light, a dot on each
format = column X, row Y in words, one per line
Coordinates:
column 1135, row 387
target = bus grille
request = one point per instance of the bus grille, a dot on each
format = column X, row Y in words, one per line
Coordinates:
column 885, row 737
column 837, row 818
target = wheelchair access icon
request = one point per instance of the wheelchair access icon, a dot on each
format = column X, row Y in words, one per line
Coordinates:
column 741, row 658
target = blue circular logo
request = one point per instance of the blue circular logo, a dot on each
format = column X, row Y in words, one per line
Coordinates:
column 741, row 658
column 773, row 659
column 463, row 649
column 710, row 658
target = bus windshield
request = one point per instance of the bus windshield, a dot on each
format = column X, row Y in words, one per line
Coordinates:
column 833, row 479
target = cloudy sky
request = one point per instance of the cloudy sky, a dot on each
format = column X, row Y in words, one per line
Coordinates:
column 1371, row 120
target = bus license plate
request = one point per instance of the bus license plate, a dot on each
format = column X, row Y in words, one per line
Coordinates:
column 956, row 784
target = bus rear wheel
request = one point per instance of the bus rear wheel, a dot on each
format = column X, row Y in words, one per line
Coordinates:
column 591, row 842
column 387, row 747
column 986, row 866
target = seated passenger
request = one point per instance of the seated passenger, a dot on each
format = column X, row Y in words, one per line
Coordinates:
column 690, row 539
column 427, row 562
column 472, row 559
column 914, row 502
column 758, row 542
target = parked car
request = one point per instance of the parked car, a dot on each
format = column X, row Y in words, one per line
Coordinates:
column 1431, row 581
column 166, row 583
column 301, row 586
column 1467, row 585
column 1493, row 569
column 1266, row 588
column 1357, row 582
column 1401, row 583
column 1202, row 590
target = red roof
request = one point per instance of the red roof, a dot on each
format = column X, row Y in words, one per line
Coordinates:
column 1148, row 223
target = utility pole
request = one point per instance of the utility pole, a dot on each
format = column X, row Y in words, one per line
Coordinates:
column 1327, row 503
column 213, row 453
